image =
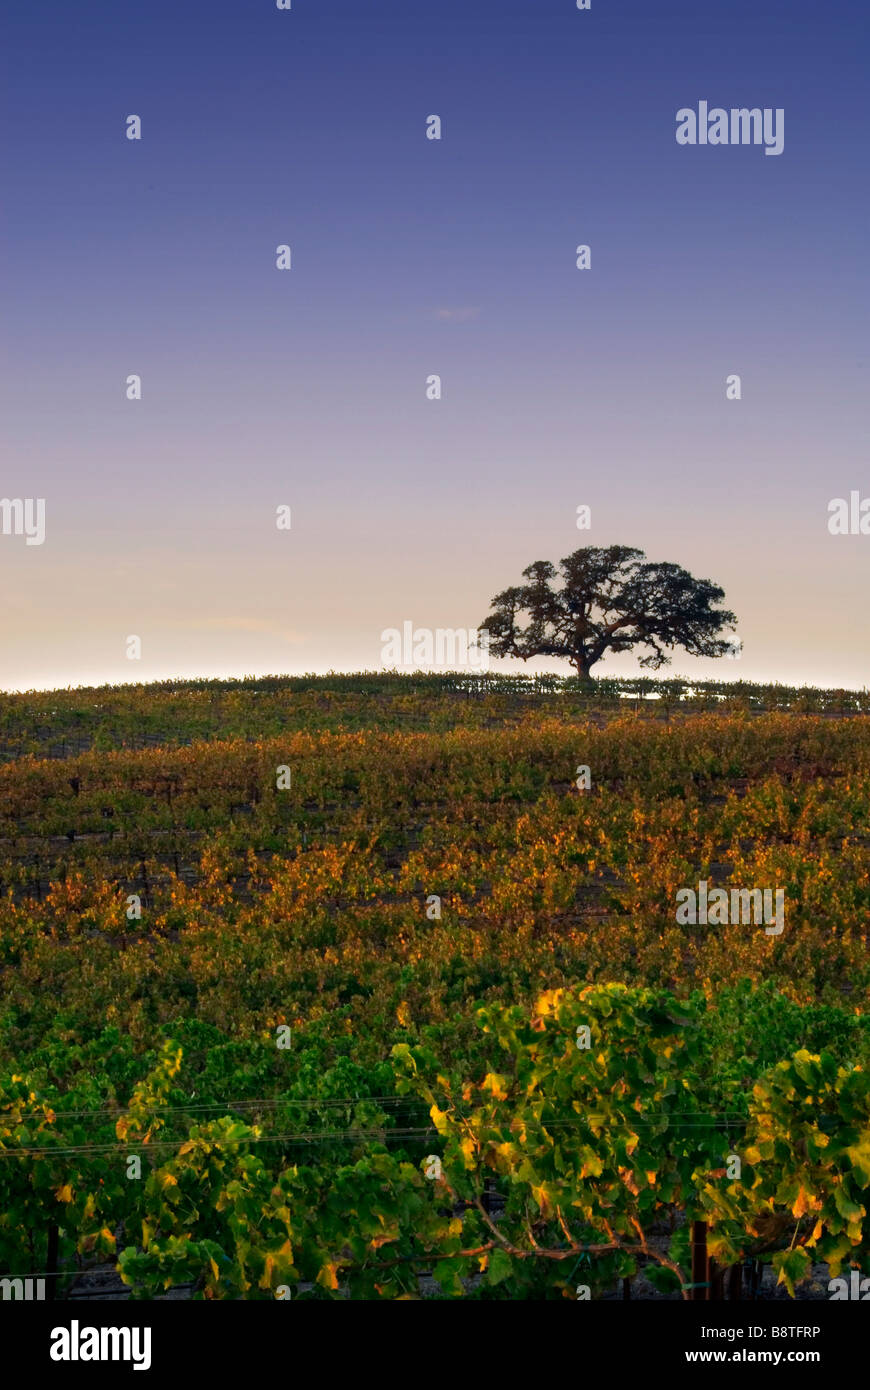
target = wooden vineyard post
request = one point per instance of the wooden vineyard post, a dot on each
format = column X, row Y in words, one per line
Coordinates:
column 51, row 1261
column 735, row 1280
column 700, row 1264
column 755, row 1278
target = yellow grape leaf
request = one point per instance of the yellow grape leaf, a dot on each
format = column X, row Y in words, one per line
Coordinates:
column 439, row 1119
column 384, row 1239
column 64, row 1194
column 539, row 1195
column 495, row 1084
column 628, row 1178
column 327, row 1277
column 548, row 1002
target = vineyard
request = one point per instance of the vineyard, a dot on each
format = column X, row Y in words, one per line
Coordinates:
column 344, row 987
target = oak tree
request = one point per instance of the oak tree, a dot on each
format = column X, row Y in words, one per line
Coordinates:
column 611, row 600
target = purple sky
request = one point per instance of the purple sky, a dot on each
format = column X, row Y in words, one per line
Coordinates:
column 413, row 257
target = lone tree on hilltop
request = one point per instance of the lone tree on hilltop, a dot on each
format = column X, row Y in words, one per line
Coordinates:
column 612, row 599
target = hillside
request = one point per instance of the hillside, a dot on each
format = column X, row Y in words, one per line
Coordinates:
column 247, row 930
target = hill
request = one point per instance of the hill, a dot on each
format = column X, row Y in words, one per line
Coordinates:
column 285, row 942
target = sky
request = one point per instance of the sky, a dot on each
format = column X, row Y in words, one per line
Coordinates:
column 411, row 257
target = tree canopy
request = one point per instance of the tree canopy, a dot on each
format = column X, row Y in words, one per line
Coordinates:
column 611, row 600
